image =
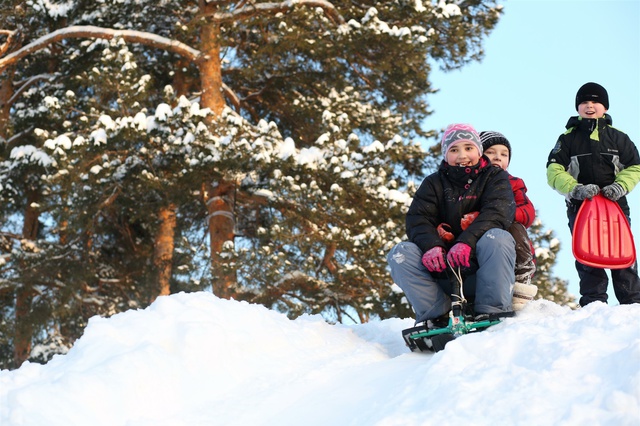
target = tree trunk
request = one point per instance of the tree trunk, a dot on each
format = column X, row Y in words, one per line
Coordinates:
column 6, row 92
column 23, row 329
column 24, row 293
column 220, row 199
column 163, row 249
column 218, row 196
column 211, row 68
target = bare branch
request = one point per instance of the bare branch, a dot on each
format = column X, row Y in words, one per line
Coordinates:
column 233, row 97
column 262, row 9
column 141, row 37
column 28, row 83
column 15, row 139
column 10, row 235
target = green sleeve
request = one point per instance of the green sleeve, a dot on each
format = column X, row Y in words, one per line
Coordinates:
column 628, row 177
column 559, row 179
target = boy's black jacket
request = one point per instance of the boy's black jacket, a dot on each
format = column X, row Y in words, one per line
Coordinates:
column 451, row 192
column 593, row 152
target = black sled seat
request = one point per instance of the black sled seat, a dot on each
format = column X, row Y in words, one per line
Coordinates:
column 421, row 339
column 424, row 339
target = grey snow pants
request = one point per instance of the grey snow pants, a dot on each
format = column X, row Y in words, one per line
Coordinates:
column 491, row 286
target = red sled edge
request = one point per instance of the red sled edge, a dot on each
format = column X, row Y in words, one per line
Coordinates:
column 602, row 236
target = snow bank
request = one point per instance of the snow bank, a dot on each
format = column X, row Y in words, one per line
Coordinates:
column 194, row 359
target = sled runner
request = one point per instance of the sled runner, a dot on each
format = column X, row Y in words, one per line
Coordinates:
column 602, row 236
column 423, row 339
column 433, row 339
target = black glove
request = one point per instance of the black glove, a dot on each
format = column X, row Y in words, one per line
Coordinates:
column 580, row 191
column 614, row 192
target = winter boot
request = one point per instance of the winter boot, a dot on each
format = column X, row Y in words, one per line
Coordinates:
column 523, row 294
column 440, row 322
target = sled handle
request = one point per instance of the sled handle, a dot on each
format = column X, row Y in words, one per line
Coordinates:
column 457, row 299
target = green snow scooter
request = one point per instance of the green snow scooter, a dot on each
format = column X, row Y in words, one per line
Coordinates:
column 433, row 339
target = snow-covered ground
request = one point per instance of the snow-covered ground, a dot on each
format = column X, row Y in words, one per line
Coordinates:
column 194, row 359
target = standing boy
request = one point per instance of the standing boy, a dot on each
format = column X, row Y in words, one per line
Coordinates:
column 592, row 157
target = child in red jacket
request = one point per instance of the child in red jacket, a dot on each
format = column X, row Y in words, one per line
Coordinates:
column 498, row 149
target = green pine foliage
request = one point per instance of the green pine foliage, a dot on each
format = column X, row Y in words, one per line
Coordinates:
column 547, row 247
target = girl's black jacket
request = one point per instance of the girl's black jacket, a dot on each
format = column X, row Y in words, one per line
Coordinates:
column 451, row 192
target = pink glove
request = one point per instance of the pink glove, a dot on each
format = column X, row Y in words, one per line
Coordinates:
column 459, row 255
column 433, row 259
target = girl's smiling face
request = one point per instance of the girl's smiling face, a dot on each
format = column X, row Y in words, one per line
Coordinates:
column 591, row 109
column 463, row 154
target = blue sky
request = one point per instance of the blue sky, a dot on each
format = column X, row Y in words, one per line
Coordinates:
column 538, row 56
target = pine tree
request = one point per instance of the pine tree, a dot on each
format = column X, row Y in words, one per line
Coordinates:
column 282, row 137
column 547, row 248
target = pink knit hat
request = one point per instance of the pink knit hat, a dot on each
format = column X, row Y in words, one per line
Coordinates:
column 460, row 133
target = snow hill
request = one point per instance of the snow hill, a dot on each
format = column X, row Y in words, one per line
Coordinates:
column 194, row 359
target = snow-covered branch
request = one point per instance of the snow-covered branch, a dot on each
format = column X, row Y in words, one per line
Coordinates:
column 88, row 31
column 274, row 8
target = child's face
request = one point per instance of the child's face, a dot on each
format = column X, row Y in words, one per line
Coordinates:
column 591, row 109
column 463, row 154
column 499, row 155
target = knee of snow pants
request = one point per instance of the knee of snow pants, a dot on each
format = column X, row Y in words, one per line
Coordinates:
column 626, row 284
column 496, row 253
column 422, row 291
column 525, row 257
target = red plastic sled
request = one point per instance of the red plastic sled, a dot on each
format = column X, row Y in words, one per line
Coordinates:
column 602, row 236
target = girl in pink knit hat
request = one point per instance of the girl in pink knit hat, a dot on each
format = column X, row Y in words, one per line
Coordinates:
column 440, row 234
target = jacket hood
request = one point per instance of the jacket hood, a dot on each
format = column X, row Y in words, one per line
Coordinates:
column 462, row 177
column 576, row 121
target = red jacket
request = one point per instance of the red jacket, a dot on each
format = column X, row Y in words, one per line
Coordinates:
column 525, row 212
